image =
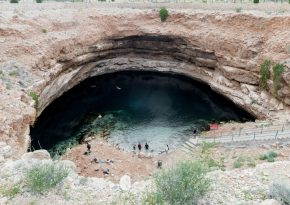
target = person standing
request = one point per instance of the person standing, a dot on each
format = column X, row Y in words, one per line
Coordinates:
column 146, row 147
column 139, row 146
column 88, row 147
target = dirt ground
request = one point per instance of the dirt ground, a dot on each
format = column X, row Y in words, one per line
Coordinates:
column 138, row 165
column 141, row 165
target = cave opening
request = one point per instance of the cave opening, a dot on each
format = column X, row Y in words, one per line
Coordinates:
column 131, row 107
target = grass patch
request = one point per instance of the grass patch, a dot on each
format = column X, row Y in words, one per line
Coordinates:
column 163, row 14
column 184, row 183
column 264, row 74
column 277, row 73
column 242, row 161
column 10, row 192
column 41, row 178
column 239, row 162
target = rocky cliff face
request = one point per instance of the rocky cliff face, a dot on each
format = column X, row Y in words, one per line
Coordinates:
column 51, row 51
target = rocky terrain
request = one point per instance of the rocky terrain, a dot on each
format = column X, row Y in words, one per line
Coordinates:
column 49, row 51
column 237, row 186
column 46, row 52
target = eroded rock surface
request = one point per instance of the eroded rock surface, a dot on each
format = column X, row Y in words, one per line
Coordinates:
column 50, row 51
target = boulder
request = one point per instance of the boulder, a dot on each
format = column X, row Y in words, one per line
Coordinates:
column 125, row 182
column 38, row 154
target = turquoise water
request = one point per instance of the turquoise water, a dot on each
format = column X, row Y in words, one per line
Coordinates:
column 133, row 107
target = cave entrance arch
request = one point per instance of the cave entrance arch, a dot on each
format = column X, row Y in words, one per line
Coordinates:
column 128, row 107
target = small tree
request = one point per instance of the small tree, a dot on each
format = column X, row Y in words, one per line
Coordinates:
column 39, row 1
column 256, row 1
column 264, row 73
column 163, row 13
column 277, row 73
column 14, row 1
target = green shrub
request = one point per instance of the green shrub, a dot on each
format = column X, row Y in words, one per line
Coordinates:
column 277, row 73
column 35, row 97
column 256, row 1
column 41, row 178
column 39, row 1
column 185, row 183
column 269, row 156
column 251, row 162
column 264, row 73
column 163, row 14
column 14, row 1
column 280, row 190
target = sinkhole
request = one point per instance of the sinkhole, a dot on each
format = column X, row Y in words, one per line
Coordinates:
column 132, row 107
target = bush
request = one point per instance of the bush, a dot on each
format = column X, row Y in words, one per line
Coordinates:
column 256, row 1
column 39, row 1
column 185, row 183
column 264, row 73
column 41, row 178
column 14, row 1
column 269, row 156
column 163, row 14
column 280, row 190
column 277, row 73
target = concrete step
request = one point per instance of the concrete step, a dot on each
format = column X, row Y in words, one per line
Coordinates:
column 187, row 151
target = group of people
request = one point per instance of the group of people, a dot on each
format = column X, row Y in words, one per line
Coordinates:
column 146, row 146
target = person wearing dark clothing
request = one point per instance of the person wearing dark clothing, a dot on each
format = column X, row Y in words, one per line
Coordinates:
column 134, row 147
column 159, row 164
column 146, row 146
column 88, row 147
column 139, row 147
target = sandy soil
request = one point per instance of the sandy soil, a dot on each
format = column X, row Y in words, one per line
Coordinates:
column 138, row 165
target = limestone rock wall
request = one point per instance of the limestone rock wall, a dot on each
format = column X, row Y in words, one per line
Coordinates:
column 56, row 49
